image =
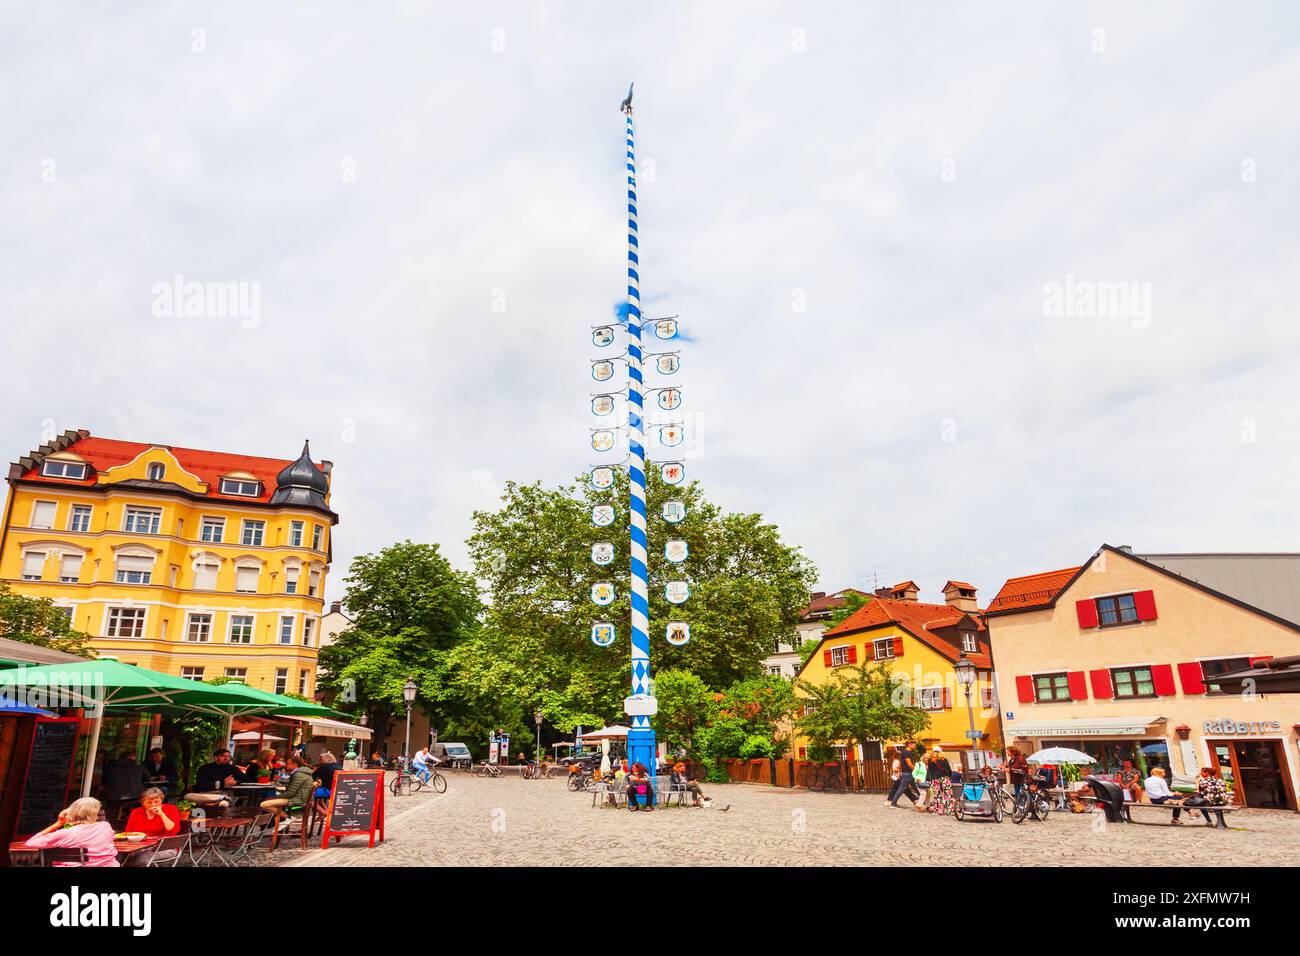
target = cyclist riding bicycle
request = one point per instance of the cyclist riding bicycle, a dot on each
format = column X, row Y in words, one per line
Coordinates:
column 423, row 763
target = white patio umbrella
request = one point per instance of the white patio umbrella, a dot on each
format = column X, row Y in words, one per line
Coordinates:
column 1059, row 755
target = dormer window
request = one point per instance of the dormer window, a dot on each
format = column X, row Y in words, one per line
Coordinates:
column 968, row 643
column 53, row 468
column 157, row 470
column 248, row 488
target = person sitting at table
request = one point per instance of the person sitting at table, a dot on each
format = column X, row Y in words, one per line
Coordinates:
column 297, row 791
column 160, row 771
column 153, row 817
column 325, row 771
column 219, row 774
column 79, row 826
column 122, row 779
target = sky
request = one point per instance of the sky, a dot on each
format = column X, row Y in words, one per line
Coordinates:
column 966, row 290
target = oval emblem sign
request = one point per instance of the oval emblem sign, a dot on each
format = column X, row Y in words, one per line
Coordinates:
column 602, row 405
column 602, row 552
column 671, row 435
column 675, row 550
column 674, row 511
column 668, row 363
column 670, row 398
column 602, row 593
column 672, row 472
column 676, row 592
column 602, row 477
column 602, row 336
column 666, row 328
column 602, row 633
column 677, row 633
column 602, row 371
column 602, row 440
column 602, row 515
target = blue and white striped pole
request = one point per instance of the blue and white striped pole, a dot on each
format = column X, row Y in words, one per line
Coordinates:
column 641, row 737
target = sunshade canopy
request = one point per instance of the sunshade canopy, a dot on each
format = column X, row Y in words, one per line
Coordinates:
column 612, row 732
column 1060, row 755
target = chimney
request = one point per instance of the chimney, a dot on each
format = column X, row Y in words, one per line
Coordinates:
column 960, row 595
column 336, row 607
column 906, row 591
column 883, row 592
column 816, row 595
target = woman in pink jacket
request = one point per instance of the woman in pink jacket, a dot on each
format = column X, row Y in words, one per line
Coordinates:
column 79, row 826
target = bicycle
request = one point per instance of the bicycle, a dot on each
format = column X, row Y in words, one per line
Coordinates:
column 436, row 781
column 1031, row 802
column 486, row 769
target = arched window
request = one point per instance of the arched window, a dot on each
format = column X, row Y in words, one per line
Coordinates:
column 157, row 470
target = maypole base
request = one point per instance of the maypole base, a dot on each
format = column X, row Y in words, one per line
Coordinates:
column 641, row 747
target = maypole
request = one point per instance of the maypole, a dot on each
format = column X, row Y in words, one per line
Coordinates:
column 640, row 706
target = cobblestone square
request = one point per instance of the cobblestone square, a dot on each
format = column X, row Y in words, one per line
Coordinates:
column 484, row 822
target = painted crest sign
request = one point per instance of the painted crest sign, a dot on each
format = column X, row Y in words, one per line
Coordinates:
column 672, row 472
column 602, row 336
column 671, row 435
column 602, row 593
column 668, row 363
column 603, row 370
column 602, row 440
column 602, row 405
column 670, row 398
column 673, row 511
column 675, row 550
column 602, row 477
column 677, row 633
column 676, row 592
column 602, row 552
column 602, row 516
column 666, row 328
column 602, row 633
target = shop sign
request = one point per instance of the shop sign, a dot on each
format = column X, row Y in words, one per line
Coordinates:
column 1242, row 726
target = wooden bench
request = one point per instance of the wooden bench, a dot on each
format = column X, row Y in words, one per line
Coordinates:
column 1171, row 806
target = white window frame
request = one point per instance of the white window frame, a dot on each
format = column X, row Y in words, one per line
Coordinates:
column 230, row 628
column 296, row 530
column 256, row 525
column 292, row 573
column 206, row 631
column 212, row 521
column 238, row 486
column 65, row 578
column 64, row 466
column 839, row 656
column 54, row 513
column 130, row 512
column 969, row 642
column 237, row 673
column 303, row 676
column 317, row 534
column 888, row 643
column 925, row 698
column 40, row 575
column 257, row 581
column 308, row 630
column 195, row 671
column 76, row 511
column 281, row 680
column 314, row 578
column 157, row 466
column 286, row 619
column 139, row 616
column 137, row 575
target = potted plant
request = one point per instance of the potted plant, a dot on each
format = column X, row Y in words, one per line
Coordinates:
column 184, row 807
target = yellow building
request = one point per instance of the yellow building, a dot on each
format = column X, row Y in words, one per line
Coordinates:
column 921, row 643
column 197, row 563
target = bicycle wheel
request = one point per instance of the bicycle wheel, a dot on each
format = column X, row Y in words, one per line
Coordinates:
column 417, row 783
column 1022, row 809
column 480, row 771
column 574, row 782
column 998, row 813
column 1007, row 799
column 438, row 782
column 396, row 785
column 957, row 810
column 589, row 784
column 1042, row 808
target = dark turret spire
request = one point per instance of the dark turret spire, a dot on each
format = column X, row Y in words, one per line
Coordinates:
column 301, row 483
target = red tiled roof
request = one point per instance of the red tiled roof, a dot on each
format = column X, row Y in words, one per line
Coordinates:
column 917, row 619
column 959, row 584
column 1032, row 590
column 828, row 601
column 905, row 584
column 208, row 466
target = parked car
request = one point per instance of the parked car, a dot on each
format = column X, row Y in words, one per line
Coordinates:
column 587, row 760
column 454, row 755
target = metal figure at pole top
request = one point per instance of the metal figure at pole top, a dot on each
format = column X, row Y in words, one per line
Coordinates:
column 641, row 705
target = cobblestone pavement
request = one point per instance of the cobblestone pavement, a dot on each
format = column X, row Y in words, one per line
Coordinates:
column 483, row 822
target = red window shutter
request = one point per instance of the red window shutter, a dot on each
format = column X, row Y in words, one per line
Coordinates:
column 1025, row 689
column 1191, row 677
column 852, row 654
column 1087, row 611
column 803, row 752
column 826, row 658
column 1256, row 661
column 868, row 651
column 1144, row 602
column 1162, row 676
column 947, row 698
column 898, row 647
column 1101, row 689
column 1078, row 685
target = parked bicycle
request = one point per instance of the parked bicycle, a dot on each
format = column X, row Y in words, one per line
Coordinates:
column 486, row 769
column 1031, row 802
column 536, row 771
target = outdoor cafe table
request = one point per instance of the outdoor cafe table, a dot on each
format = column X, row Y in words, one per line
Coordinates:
column 125, row 848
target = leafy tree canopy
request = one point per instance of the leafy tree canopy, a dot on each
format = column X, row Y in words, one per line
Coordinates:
column 40, row 622
column 855, row 704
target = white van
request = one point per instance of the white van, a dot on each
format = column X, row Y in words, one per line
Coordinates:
column 452, row 755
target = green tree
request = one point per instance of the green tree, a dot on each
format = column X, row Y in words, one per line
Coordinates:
column 534, row 555
column 856, row 704
column 40, row 622
column 685, row 705
column 853, row 602
column 410, row 611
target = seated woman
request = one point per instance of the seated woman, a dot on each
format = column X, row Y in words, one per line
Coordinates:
column 639, row 785
column 325, row 771
column 153, row 817
column 79, row 826
column 681, row 779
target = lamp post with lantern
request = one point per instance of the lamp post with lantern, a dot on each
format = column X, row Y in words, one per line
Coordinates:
column 966, row 677
column 408, row 695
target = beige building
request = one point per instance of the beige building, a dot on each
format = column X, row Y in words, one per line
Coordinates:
column 784, row 660
column 1118, row 657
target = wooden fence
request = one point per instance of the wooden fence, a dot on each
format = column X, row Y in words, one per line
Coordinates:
column 838, row 775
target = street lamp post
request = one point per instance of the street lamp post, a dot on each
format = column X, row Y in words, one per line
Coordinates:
column 408, row 695
column 537, row 719
column 966, row 677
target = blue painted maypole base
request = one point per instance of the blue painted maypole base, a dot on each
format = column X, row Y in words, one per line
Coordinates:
column 641, row 747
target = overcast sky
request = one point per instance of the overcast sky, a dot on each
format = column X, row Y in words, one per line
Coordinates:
column 866, row 220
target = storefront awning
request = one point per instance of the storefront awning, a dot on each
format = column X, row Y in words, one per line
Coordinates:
column 1085, row 727
column 321, row 727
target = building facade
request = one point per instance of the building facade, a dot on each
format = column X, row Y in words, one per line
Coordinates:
column 813, row 619
column 921, row 644
column 1118, row 657
column 196, row 563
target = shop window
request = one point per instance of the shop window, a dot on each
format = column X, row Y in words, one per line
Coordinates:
column 1132, row 682
column 1051, row 687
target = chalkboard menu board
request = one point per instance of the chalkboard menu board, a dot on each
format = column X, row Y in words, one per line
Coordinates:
column 356, row 805
column 45, row 791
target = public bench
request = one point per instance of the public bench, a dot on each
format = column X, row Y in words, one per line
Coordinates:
column 1171, row 807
